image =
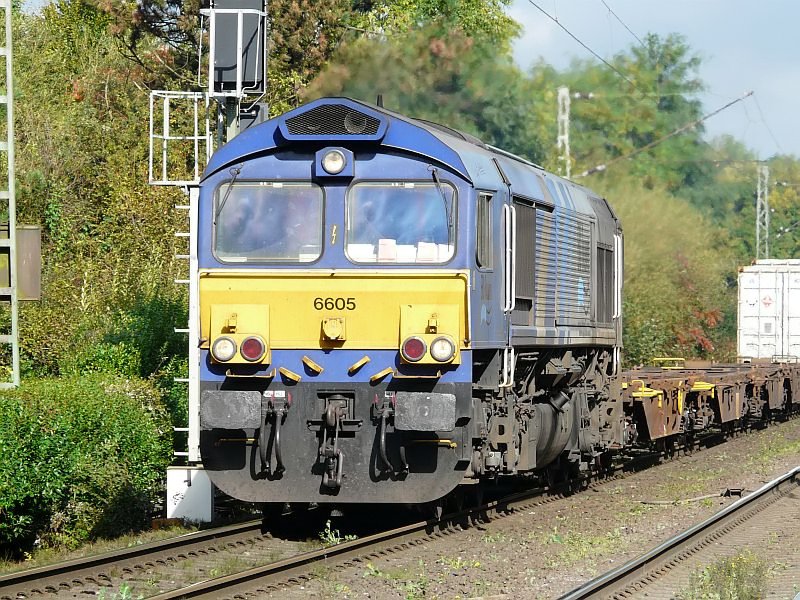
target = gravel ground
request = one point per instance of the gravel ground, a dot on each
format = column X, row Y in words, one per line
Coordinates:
column 555, row 547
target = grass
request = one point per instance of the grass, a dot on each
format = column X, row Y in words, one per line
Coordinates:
column 496, row 538
column 49, row 556
column 694, row 483
column 231, row 564
column 582, row 548
column 774, row 447
column 457, row 563
column 412, row 584
column 332, row 537
column 124, row 593
column 742, row 576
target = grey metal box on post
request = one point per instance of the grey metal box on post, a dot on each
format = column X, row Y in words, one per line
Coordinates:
column 29, row 261
column 227, row 57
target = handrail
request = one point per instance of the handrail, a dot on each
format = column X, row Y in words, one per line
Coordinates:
column 510, row 275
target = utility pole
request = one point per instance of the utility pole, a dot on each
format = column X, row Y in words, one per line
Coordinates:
column 563, row 130
column 762, row 213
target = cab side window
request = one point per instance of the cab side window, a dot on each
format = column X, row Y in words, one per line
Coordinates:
column 484, row 242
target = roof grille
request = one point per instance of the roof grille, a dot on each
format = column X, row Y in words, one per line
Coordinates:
column 333, row 119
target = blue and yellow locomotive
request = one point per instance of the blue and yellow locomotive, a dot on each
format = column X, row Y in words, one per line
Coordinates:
column 390, row 308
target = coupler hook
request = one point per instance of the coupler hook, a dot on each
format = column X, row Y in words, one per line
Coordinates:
column 385, row 412
column 330, row 452
column 276, row 411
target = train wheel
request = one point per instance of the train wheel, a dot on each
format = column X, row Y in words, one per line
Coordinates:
column 272, row 516
column 476, row 495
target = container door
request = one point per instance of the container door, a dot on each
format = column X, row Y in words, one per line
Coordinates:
column 791, row 311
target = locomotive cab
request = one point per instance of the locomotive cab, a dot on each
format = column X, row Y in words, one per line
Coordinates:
column 334, row 318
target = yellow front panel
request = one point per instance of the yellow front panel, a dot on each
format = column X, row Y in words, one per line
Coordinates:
column 369, row 304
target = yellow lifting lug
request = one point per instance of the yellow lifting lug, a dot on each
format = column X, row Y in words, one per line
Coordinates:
column 433, row 325
column 291, row 375
column 230, row 323
column 381, row 374
column 312, row 365
column 333, row 328
column 358, row 364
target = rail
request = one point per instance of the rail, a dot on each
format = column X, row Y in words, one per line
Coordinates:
column 18, row 584
column 639, row 569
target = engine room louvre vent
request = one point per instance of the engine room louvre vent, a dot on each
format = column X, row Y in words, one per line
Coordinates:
column 333, row 119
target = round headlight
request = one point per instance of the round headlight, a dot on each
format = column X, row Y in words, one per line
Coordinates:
column 413, row 349
column 253, row 348
column 333, row 162
column 223, row 349
column 443, row 349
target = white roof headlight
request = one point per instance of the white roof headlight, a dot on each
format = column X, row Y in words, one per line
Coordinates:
column 223, row 349
column 443, row 349
column 333, row 162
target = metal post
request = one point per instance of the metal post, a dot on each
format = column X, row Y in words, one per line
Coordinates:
column 165, row 138
column 194, row 330
column 231, row 118
column 9, row 195
column 212, row 49
column 563, row 130
column 762, row 213
column 239, row 52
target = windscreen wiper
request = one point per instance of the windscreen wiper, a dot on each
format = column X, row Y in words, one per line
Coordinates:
column 234, row 174
column 447, row 208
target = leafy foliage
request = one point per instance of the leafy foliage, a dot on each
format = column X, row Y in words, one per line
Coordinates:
column 80, row 458
column 613, row 118
column 677, row 291
column 447, row 79
column 483, row 20
column 108, row 236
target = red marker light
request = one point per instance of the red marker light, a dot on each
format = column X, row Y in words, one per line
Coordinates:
column 253, row 349
column 413, row 349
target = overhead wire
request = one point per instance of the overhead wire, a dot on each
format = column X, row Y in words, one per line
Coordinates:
column 592, row 52
column 621, row 22
column 619, row 73
column 764, row 122
column 690, row 125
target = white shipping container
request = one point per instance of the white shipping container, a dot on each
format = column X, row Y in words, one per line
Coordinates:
column 769, row 310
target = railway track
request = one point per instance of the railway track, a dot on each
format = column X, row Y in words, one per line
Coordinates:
column 293, row 570
column 766, row 521
column 158, row 570
column 120, row 567
column 117, row 569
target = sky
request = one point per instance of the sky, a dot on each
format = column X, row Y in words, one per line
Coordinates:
column 743, row 45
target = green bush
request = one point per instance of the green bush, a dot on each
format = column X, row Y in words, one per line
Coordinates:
column 80, row 458
column 104, row 357
column 174, row 393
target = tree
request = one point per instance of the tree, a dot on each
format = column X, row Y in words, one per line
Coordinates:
column 482, row 20
column 646, row 97
column 679, row 299
column 108, row 237
column 304, row 34
column 449, row 80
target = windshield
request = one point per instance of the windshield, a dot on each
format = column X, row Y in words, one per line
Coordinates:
column 268, row 221
column 400, row 222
